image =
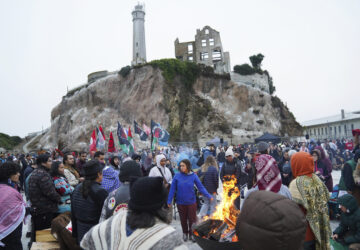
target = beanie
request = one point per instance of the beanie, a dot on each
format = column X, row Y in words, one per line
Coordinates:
column 229, row 152
column 129, row 168
column 147, row 194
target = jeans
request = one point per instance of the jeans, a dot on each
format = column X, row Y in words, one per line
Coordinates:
column 208, row 207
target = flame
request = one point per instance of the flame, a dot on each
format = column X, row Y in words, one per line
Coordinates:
column 225, row 210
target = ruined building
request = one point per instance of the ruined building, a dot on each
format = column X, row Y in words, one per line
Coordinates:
column 206, row 49
column 139, row 49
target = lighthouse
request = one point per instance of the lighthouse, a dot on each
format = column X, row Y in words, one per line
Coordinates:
column 139, row 48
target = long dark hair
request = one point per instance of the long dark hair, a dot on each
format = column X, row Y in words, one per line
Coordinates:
column 54, row 171
column 187, row 164
column 146, row 219
column 89, row 179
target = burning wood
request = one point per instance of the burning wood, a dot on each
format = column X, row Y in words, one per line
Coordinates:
column 221, row 224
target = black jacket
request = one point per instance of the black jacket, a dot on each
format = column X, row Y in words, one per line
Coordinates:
column 42, row 192
column 234, row 168
column 85, row 212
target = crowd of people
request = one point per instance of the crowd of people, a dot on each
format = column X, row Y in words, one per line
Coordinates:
column 120, row 201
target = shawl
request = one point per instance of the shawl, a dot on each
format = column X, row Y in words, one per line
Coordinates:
column 73, row 171
column 12, row 210
column 111, row 234
column 312, row 194
column 268, row 174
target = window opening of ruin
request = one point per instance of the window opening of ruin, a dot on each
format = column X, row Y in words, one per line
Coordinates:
column 137, row 44
column 190, row 58
column 206, row 31
column 203, row 42
column 211, row 42
column 216, row 55
column 190, row 48
column 204, row 55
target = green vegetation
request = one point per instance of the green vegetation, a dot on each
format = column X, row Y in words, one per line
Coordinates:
column 244, row 69
column 124, row 71
column 9, row 142
column 188, row 71
column 256, row 62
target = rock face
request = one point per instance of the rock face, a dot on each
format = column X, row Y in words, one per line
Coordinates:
column 210, row 107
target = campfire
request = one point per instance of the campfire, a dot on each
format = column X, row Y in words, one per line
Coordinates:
column 220, row 226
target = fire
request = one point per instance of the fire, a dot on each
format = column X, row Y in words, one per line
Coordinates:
column 226, row 211
column 220, row 226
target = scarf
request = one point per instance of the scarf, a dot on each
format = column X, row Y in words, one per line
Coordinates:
column 12, row 210
column 268, row 174
column 312, row 194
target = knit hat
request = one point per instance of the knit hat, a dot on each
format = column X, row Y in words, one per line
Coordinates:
column 262, row 146
column 129, row 168
column 147, row 194
column 229, row 152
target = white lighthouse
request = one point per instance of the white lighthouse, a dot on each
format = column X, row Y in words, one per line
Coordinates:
column 139, row 48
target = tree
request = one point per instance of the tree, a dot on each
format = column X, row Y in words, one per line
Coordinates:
column 256, row 61
column 244, row 69
column 272, row 88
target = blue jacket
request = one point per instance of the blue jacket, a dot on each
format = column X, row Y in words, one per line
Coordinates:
column 183, row 185
column 211, row 179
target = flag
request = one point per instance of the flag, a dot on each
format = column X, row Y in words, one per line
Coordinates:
column 131, row 141
column 111, row 146
column 164, row 138
column 93, row 141
column 123, row 141
column 102, row 132
column 146, row 129
column 153, row 143
column 100, row 143
column 155, row 129
column 139, row 131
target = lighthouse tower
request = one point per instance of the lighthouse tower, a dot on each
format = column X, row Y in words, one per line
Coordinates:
column 139, row 49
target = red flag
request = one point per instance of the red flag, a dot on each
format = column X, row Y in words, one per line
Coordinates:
column 93, row 141
column 102, row 132
column 111, row 147
column 146, row 129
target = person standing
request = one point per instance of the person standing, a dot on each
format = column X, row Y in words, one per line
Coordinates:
column 87, row 200
column 183, row 185
column 209, row 177
column 161, row 170
column 42, row 193
column 62, row 186
column 81, row 162
column 12, row 209
column 71, row 174
column 312, row 196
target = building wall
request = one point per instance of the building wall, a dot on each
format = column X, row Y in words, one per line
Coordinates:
column 336, row 130
column 206, row 49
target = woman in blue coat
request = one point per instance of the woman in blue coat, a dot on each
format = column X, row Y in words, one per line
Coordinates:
column 183, row 185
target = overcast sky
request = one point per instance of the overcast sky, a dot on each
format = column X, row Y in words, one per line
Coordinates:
column 311, row 48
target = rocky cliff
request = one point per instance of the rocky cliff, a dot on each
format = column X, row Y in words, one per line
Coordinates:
column 194, row 106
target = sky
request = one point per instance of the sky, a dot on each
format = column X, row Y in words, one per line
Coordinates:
column 311, row 48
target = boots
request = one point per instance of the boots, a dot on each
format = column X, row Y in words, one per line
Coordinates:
column 185, row 237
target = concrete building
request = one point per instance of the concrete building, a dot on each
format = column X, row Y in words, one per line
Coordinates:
column 139, row 48
column 206, row 49
column 333, row 127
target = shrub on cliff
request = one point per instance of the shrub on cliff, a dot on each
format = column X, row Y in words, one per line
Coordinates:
column 124, row 71
column 244, row 69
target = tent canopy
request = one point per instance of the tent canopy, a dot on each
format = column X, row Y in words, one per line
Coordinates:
column 267, row 137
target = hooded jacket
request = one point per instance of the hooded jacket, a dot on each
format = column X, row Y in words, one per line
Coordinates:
column 350, row 221
column 270, row 221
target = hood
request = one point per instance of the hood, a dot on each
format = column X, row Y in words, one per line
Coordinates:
column 302, row 164
column 270, row 221
column 349, row 202
column 159, row 158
